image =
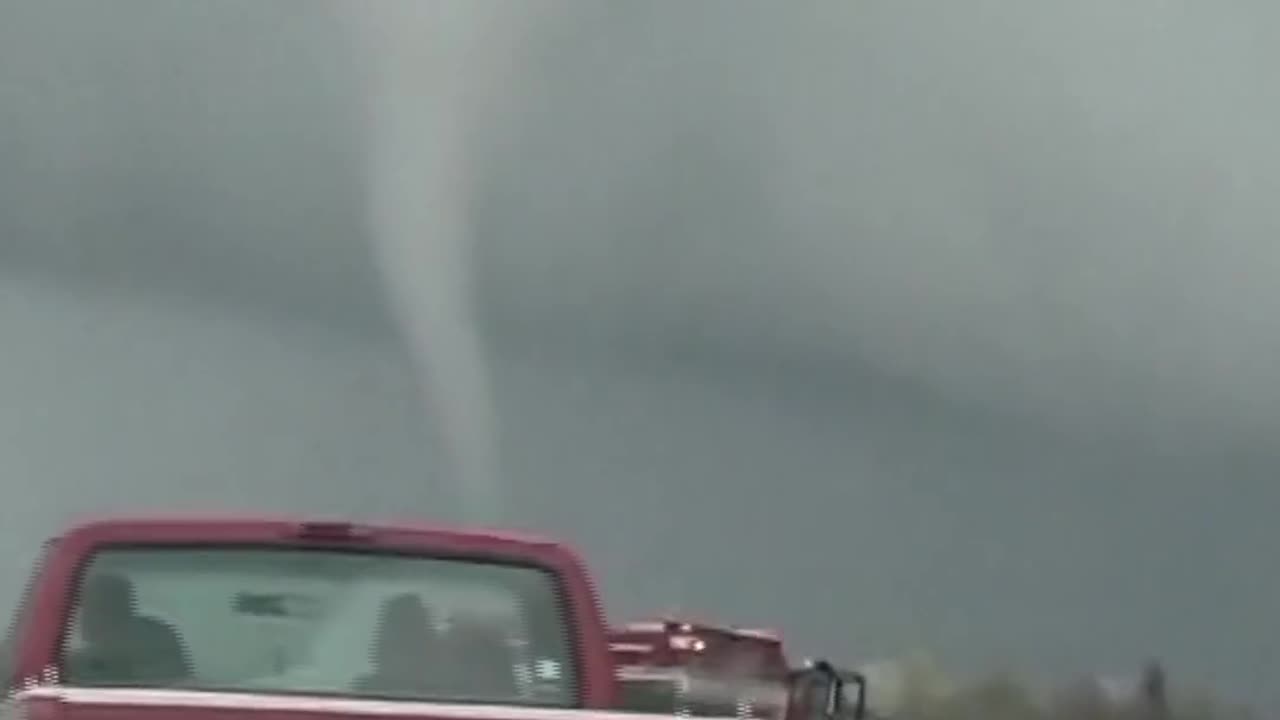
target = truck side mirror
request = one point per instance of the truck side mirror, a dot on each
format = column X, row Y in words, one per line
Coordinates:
column 834, row 684
column 859, row 681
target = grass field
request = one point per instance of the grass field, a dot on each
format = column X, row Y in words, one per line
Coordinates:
column 922, row 692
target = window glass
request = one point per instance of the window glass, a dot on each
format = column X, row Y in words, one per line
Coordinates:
column 320, row 621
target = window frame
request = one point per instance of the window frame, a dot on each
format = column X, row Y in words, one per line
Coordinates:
column 11, row 646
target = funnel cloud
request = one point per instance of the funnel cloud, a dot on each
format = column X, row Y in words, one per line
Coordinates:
column 416, row 99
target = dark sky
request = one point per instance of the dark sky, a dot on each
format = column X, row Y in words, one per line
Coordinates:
column 898, row 325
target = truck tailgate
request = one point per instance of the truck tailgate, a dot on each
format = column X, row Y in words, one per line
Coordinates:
column 70, row 703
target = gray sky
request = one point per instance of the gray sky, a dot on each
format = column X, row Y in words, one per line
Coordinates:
column 978, row 293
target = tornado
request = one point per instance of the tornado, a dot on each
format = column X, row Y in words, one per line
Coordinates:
column 418, row 100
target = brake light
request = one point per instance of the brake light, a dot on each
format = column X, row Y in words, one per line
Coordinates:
column 332, row 531
column 687, row 643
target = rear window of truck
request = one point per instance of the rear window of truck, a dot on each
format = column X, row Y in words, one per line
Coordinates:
column 326, row 622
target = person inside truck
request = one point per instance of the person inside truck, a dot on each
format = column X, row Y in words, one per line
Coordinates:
column 405, row 652
column 123, row 646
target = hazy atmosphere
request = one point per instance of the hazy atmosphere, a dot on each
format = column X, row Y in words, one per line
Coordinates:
column 895, row 325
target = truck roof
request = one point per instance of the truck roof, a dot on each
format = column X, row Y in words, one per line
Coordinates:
column 673, row 625
column 235, row 525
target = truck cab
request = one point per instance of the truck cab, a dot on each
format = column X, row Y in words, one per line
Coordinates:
column 160, row 619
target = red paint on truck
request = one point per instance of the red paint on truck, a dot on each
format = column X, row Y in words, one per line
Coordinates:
column 275, row 615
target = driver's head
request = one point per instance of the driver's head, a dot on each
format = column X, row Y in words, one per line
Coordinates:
column 107, row 601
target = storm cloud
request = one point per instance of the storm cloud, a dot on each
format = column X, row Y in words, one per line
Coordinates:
column 1061, row 211
column 1003, row 272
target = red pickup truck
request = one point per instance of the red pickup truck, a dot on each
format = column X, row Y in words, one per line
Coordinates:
column 699, row 669
column 191, row 618
column 212, row 619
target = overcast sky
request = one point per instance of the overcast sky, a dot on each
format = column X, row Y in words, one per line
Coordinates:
column 980, row 294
